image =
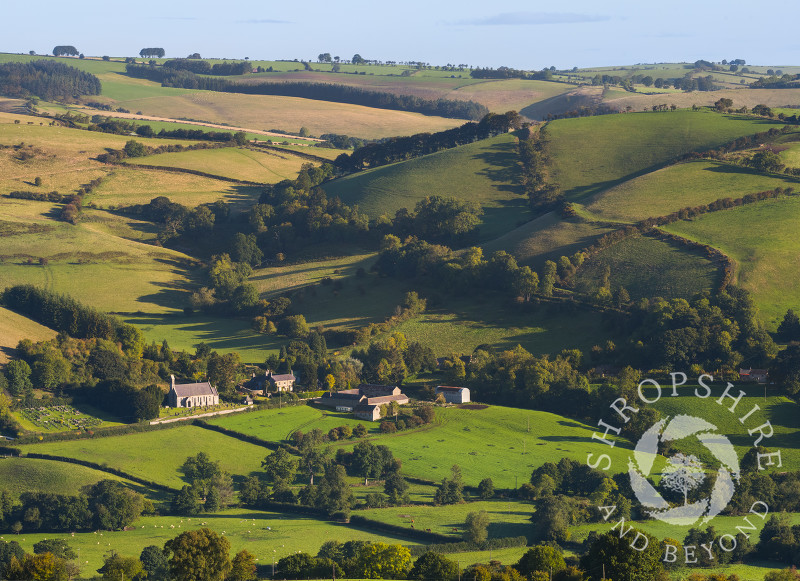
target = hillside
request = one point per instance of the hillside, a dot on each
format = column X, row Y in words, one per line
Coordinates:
column 485, row 172
column 625, row 146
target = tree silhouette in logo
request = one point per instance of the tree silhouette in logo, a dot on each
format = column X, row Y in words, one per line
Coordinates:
column 683, row 474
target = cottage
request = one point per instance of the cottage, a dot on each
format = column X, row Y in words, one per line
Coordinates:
column 755, row 375
column 281, row 382
column 342, row 401
column 368, row 412
column 453, row 394
column 191, row 394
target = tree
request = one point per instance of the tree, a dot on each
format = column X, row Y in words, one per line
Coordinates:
column 117, row 568
column 198, row 555
column 114, row 506
column 548, row 278
column 67, row 50
column 723, row 104
column 134, row 148
column 43, row 567
column 334, row 493
column 243, row 567
column 18, row 373
column 155, row 562
column 526, row 283
column 152, row 52
column 621, row 561
column 357, row 59
column 486, row 489
column 280, row 465
column 541, row 558
column 475, row 527
column 58, row 547
column 789, row 329
column 200, row 467
column 185, row 501
column 432, row 565
column 766, row 161
column 382, row 561
column 683, row 474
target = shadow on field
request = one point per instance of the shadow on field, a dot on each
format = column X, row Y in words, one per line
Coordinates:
column 566, row 438
column 502, row 167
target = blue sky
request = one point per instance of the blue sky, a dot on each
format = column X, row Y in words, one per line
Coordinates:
column 522, row 34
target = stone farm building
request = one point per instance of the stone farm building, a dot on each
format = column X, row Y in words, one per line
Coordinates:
column 263, row 384
column 453, row 394
column 365, row 401
column 189, row 395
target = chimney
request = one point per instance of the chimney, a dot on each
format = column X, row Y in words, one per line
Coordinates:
column 172, row 381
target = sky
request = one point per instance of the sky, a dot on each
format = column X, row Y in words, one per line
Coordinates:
column 527, row 34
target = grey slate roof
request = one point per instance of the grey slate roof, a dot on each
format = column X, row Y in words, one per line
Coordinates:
column 192, row 389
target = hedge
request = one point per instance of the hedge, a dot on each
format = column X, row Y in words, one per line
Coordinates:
column 102, row 468
column 469, row 546
column 368, row 523
column 238, row 435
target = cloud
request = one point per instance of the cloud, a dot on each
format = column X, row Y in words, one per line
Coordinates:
column 534, row 18
column 264, row 21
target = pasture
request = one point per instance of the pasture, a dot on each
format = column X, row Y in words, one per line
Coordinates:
column 124, row 186
column 158, row 455
column 241, row 163
column 547, row 237
column 485, row 172
column 268, row 535
column 625, row 146
column 679, row 186
column 19, row 475
column 266, row 112
column 464, row 324
column 648, row 267
column 14, row 328
column 89, row 262
column 762, row 240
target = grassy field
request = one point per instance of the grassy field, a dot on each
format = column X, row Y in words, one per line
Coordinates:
column 14, row 328
column 493, row 442
column 506, row 518
column 548, row 237
column 127, row 186
column 509, row 94
column 464, row 324
column 741, row 97
column 623, row 146
column 647, row 267
column 158, row 455
column 762, row 240
column 678, row 186
column 267, row 112
column 232, row 162
column 268, row 535
column 88, row 262
column 20, row 475
column 485, row 172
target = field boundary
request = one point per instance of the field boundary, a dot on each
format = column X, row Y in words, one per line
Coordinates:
column 238, row 435
column 187, row 171
column 100, row 467
column 205, row 415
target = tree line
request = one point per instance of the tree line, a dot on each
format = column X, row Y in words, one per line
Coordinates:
column 46, row 79
column 202, row 67
column 170, row 77
column 396, row 149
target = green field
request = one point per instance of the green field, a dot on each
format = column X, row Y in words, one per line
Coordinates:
column 268, row 535
column 232, row 162
column 624, row 146
column 548, row 237
column 762, row 239
column 463, row 325
column 492, row 442
column 126, row 186
column 648, row 267
column 158, row 455
column 506, row 518
column 20, row 475
column 14, row 328
column 485, row 172
column 679, row 186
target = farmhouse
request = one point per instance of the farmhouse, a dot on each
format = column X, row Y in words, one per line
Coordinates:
column 190, row 395
column 365, row 401
column 453, row 394
column 281, row 382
